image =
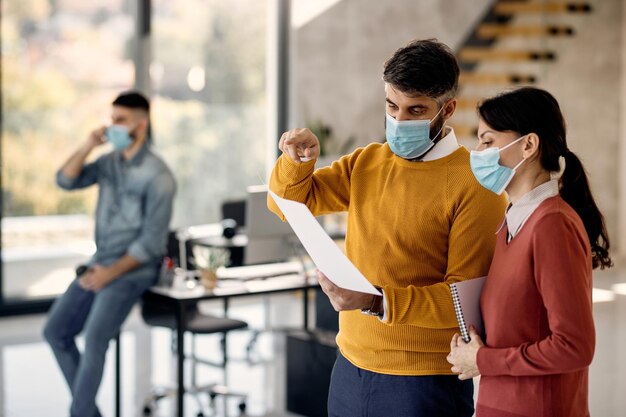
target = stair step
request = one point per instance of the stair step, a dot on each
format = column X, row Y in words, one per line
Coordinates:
column 514, row 7
column 475, row 54
column 494, row 30
column 485, row 78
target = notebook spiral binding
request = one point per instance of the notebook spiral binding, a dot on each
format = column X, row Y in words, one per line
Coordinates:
column 459, row 313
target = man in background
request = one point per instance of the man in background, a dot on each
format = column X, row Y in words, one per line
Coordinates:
column 135, row 195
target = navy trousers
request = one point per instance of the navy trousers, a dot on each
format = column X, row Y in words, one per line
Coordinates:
column 355, row 392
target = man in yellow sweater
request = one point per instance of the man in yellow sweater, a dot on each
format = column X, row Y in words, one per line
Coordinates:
column 417, row 221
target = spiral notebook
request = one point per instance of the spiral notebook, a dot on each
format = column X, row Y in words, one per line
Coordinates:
column 466, row 299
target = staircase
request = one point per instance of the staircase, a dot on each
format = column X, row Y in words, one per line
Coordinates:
column 509, row 47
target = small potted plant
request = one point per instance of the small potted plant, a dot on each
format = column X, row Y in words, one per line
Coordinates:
column 207, row 261
column 331, row 148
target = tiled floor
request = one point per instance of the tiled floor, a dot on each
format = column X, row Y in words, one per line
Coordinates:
column 31, row 384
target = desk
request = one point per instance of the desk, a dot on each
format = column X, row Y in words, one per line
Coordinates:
column 261, row 249
column 209, row 235
column 226, row 289
column 219, row 241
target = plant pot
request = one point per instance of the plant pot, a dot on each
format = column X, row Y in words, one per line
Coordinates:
column 208, row 278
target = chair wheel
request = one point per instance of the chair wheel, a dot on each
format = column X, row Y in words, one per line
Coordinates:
column 200, row 414
column 242, row 406
column 147, row 411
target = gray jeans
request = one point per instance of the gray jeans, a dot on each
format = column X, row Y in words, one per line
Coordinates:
column 100, row 315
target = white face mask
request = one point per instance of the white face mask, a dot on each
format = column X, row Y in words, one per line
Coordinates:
column 410, row 139
column 119, row 137
column 488, row 171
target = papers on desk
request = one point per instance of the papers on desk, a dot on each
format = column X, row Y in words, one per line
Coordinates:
column 275, row 283
column 251, row 272
column 325, row 253
column 181, row 294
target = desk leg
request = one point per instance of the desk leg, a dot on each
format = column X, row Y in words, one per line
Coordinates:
column 225, row 352
column 305, row 305
column 180, row 354
column 117, row 375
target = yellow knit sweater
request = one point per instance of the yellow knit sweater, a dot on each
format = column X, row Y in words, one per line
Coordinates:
column 413, row 228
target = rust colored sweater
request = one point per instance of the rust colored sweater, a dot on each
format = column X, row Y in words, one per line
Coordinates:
column 537, row 310
column 413, row 228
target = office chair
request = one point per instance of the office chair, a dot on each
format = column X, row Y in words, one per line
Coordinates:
column 235, row 210
column 157, row 315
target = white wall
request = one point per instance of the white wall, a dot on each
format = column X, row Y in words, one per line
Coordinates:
column 338, row 58
column 587, row 80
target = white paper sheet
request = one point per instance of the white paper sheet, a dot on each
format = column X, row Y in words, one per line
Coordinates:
column 325, row 253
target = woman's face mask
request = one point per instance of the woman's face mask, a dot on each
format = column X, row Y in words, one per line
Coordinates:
column 410, row 139
column 488, row 171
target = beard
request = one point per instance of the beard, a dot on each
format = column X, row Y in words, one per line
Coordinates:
column 133, row 134
column 436, row 129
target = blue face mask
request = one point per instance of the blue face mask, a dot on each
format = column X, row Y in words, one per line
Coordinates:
column 409, row 139
column 488, row 171
column 119, row 137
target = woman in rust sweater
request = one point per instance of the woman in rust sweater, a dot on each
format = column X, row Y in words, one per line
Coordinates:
column 536, row 303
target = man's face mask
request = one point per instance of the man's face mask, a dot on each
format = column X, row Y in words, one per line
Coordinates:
column 119, row 137
column 410, row 139
column 488, row 171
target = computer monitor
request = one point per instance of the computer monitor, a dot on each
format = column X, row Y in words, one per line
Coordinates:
column 269, row 238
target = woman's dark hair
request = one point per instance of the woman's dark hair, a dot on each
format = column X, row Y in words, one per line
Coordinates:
column 424, row 67
column 532, row 110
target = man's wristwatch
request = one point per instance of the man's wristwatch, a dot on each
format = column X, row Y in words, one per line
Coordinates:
column 376, row 308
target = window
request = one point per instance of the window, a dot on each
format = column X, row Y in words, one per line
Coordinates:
column 209, row 102
column 64, row 61
column 62, row 64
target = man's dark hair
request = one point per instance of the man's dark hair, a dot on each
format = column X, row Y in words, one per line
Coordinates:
column 135, row 100
column 424, row 67
column 132, row 100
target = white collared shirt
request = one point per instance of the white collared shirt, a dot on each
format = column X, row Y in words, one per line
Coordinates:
column 518, row 213
column 443, row 148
